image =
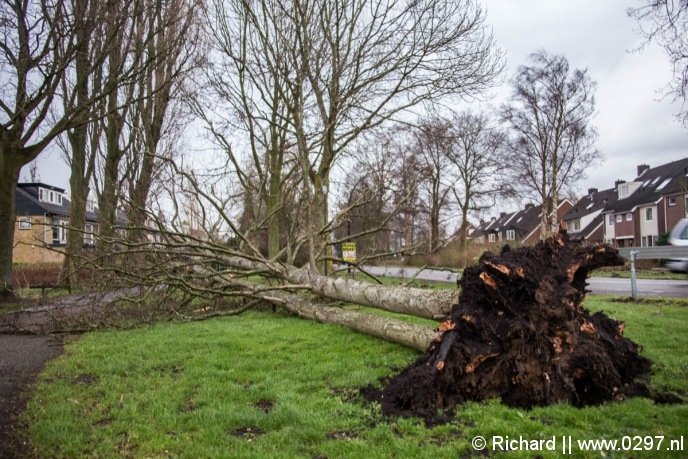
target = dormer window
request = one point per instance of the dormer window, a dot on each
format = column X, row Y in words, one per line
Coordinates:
column 50, row 196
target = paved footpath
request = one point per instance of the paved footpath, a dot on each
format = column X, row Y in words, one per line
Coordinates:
column 22, row 357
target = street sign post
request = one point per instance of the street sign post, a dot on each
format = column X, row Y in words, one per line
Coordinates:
column 349, row 252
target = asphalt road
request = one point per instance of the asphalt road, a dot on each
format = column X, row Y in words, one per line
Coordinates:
column 598, row 285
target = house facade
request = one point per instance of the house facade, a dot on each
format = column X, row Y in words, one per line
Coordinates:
column 647, row 207
column 42, row 218
column 585, row 221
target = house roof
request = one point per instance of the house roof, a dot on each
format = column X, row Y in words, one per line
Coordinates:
column 593, row 202
column 654, row 183
column 27, row 202
column 589, row 229
column 523, row 222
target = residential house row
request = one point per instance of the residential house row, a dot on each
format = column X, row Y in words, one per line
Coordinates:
column 520, row 227
column 631, row 214
column 635, row 213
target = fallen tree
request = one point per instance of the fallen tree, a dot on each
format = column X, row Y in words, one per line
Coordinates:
column 519, row 333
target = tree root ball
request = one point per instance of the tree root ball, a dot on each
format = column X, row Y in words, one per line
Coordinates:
column 519, row 333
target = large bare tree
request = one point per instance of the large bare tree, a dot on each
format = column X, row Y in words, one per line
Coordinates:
column 552, row 142
column 349, row 66
column 246, row 107
column 335, row 69
column 666, row 23
column 477, row 154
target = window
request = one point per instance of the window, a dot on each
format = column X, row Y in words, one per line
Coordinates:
column 619, row 218
column 629, row 217
column 50, row 196
column 492, row 237
column 24, row 223
column 672, row 201
column 664, row 184
column 510, row 235
column 59, row 232
column 89, row 234
column 575, row 225
column 648, row 241
column 648, row 214
column 610, row 221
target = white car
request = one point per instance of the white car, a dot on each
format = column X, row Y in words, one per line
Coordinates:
column 678, row 236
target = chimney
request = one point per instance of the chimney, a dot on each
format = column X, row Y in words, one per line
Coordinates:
column 592, row 191
column 529, row 205
column 618, row 182
column 493, row 219
column 642, row 168
column 502, row 214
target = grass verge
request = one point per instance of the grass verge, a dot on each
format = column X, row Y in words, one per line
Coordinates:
column 265, row 385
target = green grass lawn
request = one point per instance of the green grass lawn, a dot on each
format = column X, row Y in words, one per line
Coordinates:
column 265, row 385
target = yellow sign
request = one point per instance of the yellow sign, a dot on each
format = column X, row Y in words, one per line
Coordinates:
column 349, row 252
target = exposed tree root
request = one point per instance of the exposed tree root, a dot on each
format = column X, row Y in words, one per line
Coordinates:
column 519, row 333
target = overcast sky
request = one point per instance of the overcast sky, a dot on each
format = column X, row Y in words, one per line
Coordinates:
column 634, row 125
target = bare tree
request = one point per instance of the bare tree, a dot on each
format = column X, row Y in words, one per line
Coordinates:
column 248, row 94
column 40, row 41
column 344, row 68
column 477, row 156
column 366, row 212
column 432, row 145
column 358, row 63
column 172, row 53
column 551, row 140
column 666, row 23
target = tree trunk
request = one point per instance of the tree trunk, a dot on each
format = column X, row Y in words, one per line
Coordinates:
column 274, row 203
column 463, row 231
column 411, row 335
column 78, row 185
column 435, row 305
column 9, row 177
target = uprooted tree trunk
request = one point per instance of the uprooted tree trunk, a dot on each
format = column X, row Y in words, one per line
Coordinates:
column 519, row 333
column 417, row 302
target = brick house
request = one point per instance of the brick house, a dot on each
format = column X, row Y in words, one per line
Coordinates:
column 586, row 221
column 649, row 206
column 42, row 216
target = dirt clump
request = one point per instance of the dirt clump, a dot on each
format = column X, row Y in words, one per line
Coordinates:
column 519, row 333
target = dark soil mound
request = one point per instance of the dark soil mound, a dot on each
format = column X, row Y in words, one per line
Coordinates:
column 519, row 333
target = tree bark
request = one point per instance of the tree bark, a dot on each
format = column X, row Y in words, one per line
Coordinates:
column 411, row 335
column 435, row 305
column 9, row 176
